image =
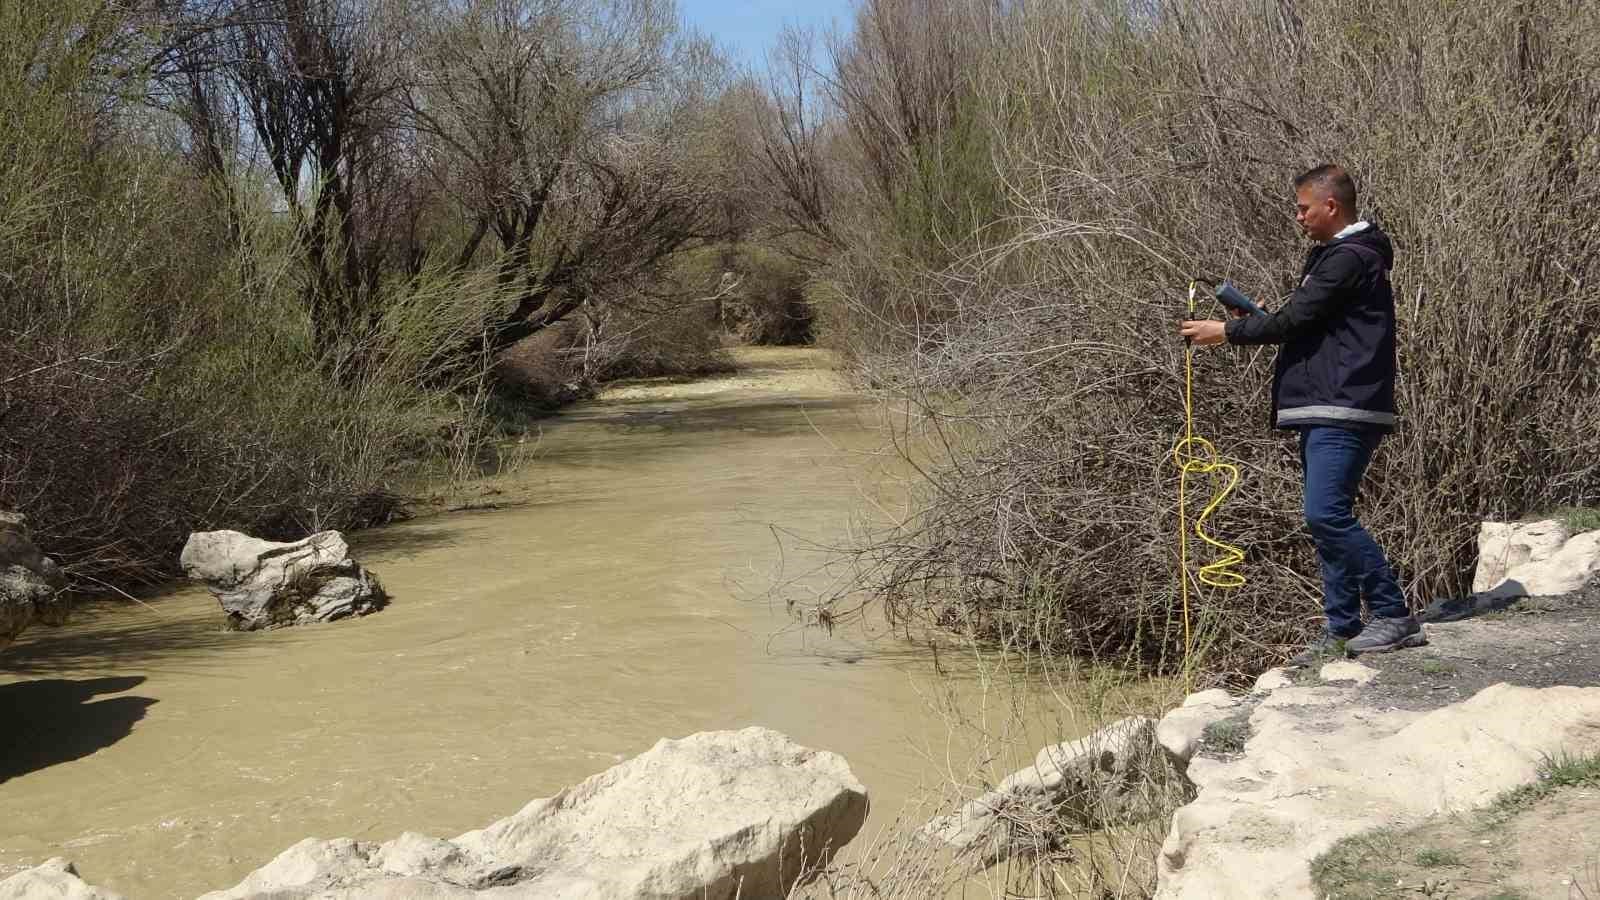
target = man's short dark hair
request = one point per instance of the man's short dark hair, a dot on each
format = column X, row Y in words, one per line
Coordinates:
column 1333, row 179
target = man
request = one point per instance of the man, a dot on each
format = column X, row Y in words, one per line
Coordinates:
column 1334, row 383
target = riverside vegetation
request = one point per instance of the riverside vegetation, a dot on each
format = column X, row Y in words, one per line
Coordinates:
column 1007, row 203
column 266, row 264
column 265, row 261
column 1010, row 201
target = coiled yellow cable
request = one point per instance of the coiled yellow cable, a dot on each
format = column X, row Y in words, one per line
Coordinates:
column 1197, row 456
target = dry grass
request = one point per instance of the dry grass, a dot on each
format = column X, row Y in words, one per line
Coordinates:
column 1009, row 707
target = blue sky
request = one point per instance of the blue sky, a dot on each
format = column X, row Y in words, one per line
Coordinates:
column 746, row 28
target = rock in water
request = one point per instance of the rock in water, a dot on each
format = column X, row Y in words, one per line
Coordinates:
column 55, row 880
column 30, row 582
column 262, row 584
column 1082, row 785
column 714, row 816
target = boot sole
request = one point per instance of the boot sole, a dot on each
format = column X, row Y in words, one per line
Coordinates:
column 1411, row 640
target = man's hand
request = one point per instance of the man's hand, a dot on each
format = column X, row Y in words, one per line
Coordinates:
column 1204, row 332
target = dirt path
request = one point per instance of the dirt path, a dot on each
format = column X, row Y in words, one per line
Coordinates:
column 1538, row 642
column 1536, row 842
column 1530, row 845
column 1467, row 769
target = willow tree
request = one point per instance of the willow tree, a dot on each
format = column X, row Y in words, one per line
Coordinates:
column 569, row 135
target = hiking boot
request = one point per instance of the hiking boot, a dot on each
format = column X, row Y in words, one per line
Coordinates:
column 1383, row 635
column 1322, row 650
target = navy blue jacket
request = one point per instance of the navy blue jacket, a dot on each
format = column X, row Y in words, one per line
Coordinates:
column 1337, row 364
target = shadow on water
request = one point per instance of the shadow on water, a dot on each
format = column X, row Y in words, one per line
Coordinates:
column 125, row 640
column 758, row 416
column 401, row 540
column 57, row 720
column 676, row 425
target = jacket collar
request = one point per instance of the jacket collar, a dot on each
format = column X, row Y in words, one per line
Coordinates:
column 1353, row 228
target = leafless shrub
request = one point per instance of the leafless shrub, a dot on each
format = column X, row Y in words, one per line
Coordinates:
column 1138, row 149
column 768, row 305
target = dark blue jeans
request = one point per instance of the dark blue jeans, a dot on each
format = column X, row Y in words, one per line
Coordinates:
column 1334, row 459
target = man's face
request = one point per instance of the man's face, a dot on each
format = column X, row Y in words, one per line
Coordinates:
column 1317, row 213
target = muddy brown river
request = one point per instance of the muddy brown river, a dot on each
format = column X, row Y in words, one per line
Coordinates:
column 620, row 595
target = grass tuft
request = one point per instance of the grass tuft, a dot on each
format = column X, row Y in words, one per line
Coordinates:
column 1433, row 858
column 1228, row 735
column 1373, row 864
column 1555, row 772
column 1358, row 866
column 1577, row 519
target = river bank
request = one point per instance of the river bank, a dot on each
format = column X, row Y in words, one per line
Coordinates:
column 1435, row 772
column 1467, row 768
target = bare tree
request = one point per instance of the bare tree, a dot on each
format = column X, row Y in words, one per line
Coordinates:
column 790, row 144
column 902, row 77
column 317, row 83
column 566, row 131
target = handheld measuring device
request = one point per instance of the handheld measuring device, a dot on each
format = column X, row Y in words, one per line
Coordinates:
column 1233, row 298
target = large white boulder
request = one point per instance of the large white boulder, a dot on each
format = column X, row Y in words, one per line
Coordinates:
column 30, row 582
column 56, row 879
column 1540, row 556
column 714, row 816
column 1320, row 766
column 262, row 584
column 1080, row 785
column 1179, row 731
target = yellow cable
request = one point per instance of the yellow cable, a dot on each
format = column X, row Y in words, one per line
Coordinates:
column 1198, row 456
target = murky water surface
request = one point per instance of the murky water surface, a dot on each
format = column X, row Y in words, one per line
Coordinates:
column 527, row 648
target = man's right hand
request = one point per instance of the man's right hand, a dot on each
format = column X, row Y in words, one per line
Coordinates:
column 1203, row 332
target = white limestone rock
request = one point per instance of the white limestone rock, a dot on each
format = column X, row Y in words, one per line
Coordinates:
column 714, row 816
column 56, row 879
column 1179, row 731
column 1271, row 680
column 1079, row 785
column 1541, row 557
column 1320, row 767
column 263, row 584
column 1346, row 670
